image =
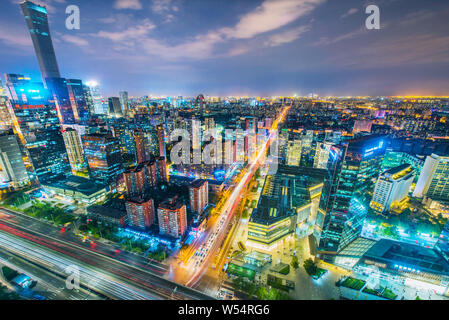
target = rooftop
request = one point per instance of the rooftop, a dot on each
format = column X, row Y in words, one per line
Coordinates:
column 394, row 253
column 77, row 184
column 285, row 192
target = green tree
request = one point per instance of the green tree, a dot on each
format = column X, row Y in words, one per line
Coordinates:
column 310, row 266
column 295, row 262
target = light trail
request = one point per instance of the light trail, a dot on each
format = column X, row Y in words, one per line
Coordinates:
column 211, row 240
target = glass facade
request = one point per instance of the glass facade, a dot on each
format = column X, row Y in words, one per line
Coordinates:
column 37, row 124
column 102, row 152
column 37, row 23
column 353, row 169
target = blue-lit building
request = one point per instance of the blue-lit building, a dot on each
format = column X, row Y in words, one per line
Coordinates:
column 102, row 152
column 60, row 92
column 37, row 23
column 352, row 170
column 80, row 106
column 37, row 125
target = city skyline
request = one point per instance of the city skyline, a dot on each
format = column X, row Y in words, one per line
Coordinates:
column 105, row 195
column 264, row 48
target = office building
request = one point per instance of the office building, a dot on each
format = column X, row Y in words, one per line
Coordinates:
column 60, row 93
column 392, row 188
column 285, row 206
column 74, row 149
column 37, row 126
column 115, row 107
column 12, row 168
column 294, row 152
column 102, row 152
column 5, row 117
column 322, row 155
column 352, row 171
column 161, row 166
column 77, row 96
column 124, row 101
column 172, row 218
column 199, row 196
column 37, row 23
column 142, row 145
column 140, row 212
column 433, row 181
column 161, row 140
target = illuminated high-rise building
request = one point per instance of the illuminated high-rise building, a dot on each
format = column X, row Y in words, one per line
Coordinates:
column 102, row 152
column 142, row 146
column 60, row 92
column 322, row 155
column 196, row 134
column 199, row 196
column 37, row 125
column 294, row 152
column 77, row 96
column 140, row 212
column 5, row 117
column 12, row 168
column 433, row 181
column 37, row 23
column 161, row 140
column 74, row 149
column 100, row 105
column 352, row 171
column 115, row 107
column 161, row 165
column 135, row 180
column 172, row 218
column 124, row 101
column 392, row 187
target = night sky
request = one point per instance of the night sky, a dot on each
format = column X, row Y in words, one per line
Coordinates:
column 241, row 47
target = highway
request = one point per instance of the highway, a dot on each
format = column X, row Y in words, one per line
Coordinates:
column 208, row 245
column 100, row 273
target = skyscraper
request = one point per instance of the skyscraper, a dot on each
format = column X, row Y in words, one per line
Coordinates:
column 433, row 181
column 102, row 152
column 140, row 212
column 77, row 96
column 199, row 196
column 37, row 22
column 74, row 148
column 353, row 168
column 37, row 125
column 161, row 139
column 114, row 106
column 124, row 101
column 142, row 146
column 172, row 218
column 12, row 168
column 60, row 93
column 392, row 187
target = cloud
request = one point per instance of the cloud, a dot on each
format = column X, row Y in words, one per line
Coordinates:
column 161, row 6
column 416, row 17
column 136, row 32
column 349, row 13
column 128, row 4
column 350, row 35
column 286, row 36
column 12, row 36
column 165, row 8
column 75, row 40
column 269, row 16
column 408, row 51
